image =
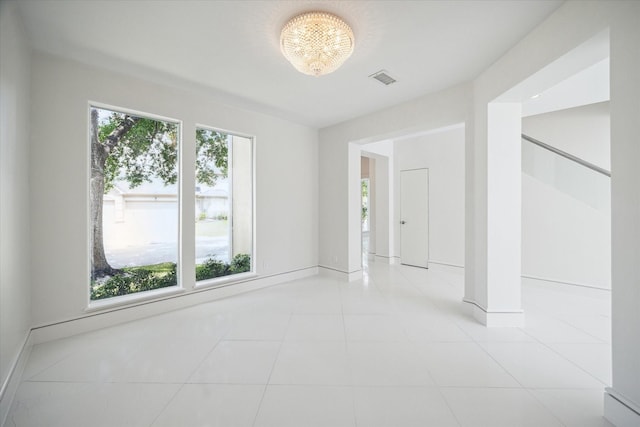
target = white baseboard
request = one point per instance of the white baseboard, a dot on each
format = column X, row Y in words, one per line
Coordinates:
column 564, row 282
column 94, row 321
column 620, row 411
column 386, row 259
column 333, row 273
column 354, row 275
column 446, row 267
column 513, row 319
column 497, row 318
column 11, row 383
column 446, row 264
column 340, row 275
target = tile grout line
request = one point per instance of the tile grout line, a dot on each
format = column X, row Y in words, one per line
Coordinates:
column 275, row 361
column 546, row 345
column 164, row 408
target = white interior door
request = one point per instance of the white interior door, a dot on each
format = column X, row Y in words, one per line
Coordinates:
column 414, row 217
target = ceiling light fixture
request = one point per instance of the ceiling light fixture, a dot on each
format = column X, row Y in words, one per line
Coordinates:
column 316, row 43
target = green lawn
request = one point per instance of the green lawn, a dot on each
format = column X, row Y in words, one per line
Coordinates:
column 212, row 228
column 161, row 269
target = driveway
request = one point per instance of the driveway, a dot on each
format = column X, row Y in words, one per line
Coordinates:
column 157, row 252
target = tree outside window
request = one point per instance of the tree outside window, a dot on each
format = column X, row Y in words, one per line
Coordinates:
column 134, row 206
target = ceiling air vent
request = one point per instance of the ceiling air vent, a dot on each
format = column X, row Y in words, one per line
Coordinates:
column 383, row 77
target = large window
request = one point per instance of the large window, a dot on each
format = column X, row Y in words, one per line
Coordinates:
column 133, row 203
column 224, row 204
column 136, row 212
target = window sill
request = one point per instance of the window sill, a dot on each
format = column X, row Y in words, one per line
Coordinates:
column 219, row 282
column 132, row 299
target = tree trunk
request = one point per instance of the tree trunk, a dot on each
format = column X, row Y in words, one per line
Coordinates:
column 99, row 154
column 99, row 264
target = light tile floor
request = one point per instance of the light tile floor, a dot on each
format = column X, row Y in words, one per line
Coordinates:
column 394, row 349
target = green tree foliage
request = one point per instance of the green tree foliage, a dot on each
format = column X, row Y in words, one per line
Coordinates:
column 364, row 186
column 149, row 150
column 211, row 149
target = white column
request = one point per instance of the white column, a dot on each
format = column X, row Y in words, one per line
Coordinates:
column 496, row 295
column 470, row 209
column 622, row 399
column 354, row 204
column 187, row 195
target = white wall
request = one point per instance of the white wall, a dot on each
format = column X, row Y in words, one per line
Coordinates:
column 581, row 131
column 571, row 25
column 625, row 215
column 364, row 167
column 384, row 208
column 568, row 27
column 537, row 62
column 15, row 260
column 286, row 178
column 443, row 154
column 564, row 239
column 566, row 216
column 589, row 86
column 339, row 249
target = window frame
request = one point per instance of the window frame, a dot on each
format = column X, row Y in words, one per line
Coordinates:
column 154, row 294
column 181, row 288
column 223, row 281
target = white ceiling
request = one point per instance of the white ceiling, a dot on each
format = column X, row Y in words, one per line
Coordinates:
column 231, row 48
column 588, row 86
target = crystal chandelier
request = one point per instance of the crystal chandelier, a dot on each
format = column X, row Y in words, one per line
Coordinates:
column 316, row 43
